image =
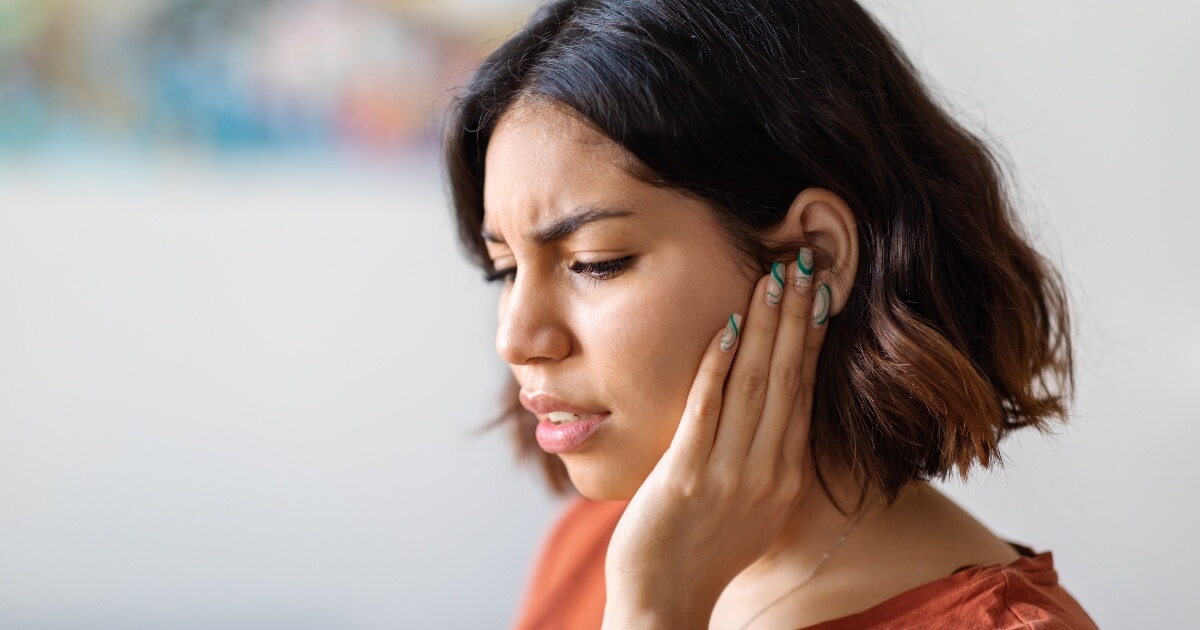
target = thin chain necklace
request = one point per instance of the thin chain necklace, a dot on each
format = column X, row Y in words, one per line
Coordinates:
column 808, row 576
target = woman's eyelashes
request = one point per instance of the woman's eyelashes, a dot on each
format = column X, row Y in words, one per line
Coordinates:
column 603, row 270
column 596, row 271
column 507, row 275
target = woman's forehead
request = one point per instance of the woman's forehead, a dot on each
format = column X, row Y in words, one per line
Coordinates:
column 542, row 161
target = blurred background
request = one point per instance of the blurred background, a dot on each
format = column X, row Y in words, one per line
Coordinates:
column 243, row 363
column 220, row 76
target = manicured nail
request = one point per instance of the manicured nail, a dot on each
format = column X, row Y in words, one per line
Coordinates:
column 804, row 270
column 775, row 285
column 732, row 330
column 821, row 302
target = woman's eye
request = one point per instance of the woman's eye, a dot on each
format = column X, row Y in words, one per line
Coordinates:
column 507, row 275
column 602, row 270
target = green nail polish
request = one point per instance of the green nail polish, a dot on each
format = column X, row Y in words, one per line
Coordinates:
column 732, row 329
column 821, row 302
column 804, row 262
column 775, row 287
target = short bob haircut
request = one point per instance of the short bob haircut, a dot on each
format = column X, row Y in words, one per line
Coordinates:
column 956, row 331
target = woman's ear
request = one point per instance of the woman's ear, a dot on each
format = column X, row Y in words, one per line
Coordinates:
column 821, row 218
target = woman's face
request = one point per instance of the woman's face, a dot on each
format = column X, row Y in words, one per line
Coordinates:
column 619, row 338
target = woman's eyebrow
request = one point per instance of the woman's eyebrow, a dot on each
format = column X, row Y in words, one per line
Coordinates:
column 563, row 227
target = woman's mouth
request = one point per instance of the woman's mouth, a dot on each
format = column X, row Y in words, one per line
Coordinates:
column 564, row 432
column 562, row 426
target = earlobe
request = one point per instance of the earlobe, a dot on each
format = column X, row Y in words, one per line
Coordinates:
column 822, row 219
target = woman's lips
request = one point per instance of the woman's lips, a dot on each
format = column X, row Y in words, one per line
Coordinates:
column 569, row 436
column 542, row 403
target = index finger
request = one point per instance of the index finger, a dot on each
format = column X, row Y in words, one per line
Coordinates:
column 697, row 430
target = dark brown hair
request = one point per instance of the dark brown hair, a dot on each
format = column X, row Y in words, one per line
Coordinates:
column 956, row 331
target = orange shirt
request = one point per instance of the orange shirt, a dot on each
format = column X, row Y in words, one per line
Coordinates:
column 566, row 588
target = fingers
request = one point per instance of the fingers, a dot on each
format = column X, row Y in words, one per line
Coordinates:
column 694, row 438
column 752, row 396
column 790, row 363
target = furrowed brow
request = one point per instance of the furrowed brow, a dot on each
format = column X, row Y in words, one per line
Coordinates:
column 563, row 227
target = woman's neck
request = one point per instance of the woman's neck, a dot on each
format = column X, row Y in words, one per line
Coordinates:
column 920, row 537
column 816, row 523
column 813, row 528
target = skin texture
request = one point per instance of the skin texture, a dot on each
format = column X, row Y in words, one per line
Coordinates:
column 730, row 477
column 631, row 344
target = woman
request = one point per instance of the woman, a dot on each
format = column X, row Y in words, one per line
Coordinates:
column 758, row 289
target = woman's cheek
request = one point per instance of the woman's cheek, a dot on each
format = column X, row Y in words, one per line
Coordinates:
column 631, row 315
column 646, row 339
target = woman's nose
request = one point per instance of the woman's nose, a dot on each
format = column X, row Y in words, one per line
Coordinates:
column 531, row 327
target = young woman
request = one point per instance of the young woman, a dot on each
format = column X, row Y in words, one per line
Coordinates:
column 758, row 289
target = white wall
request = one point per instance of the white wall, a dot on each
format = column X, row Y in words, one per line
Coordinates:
column 242, row 397
column 1095, row 103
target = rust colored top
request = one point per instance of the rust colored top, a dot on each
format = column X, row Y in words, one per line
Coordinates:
column 566, row 588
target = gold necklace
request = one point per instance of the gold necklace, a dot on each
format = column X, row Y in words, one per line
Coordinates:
column 807, row 576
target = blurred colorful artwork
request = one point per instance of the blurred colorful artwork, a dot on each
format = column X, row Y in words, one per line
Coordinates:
column 235, row 75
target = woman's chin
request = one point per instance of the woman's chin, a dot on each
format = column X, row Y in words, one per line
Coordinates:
column 602, row 482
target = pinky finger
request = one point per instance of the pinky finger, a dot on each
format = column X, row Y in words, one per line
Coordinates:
column 697, row 431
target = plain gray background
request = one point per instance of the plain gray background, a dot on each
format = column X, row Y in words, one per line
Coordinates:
column 244, row 395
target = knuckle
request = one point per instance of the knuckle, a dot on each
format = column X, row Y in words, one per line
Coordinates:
column 760, row 487
column 705, row 406
column 788, row 485
column 712, row 372
column 788, row 376
column 690, row 486
column 754, row 384
column 799, row 313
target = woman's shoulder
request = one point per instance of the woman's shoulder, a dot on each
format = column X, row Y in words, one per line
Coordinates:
column 1024, row 593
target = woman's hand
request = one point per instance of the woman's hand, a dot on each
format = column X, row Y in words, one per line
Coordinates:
column 736, row 467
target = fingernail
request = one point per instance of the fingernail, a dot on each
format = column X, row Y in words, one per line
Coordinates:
column 821, row 302
column 733, row 328
column 804, row 270
column 775, row 285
